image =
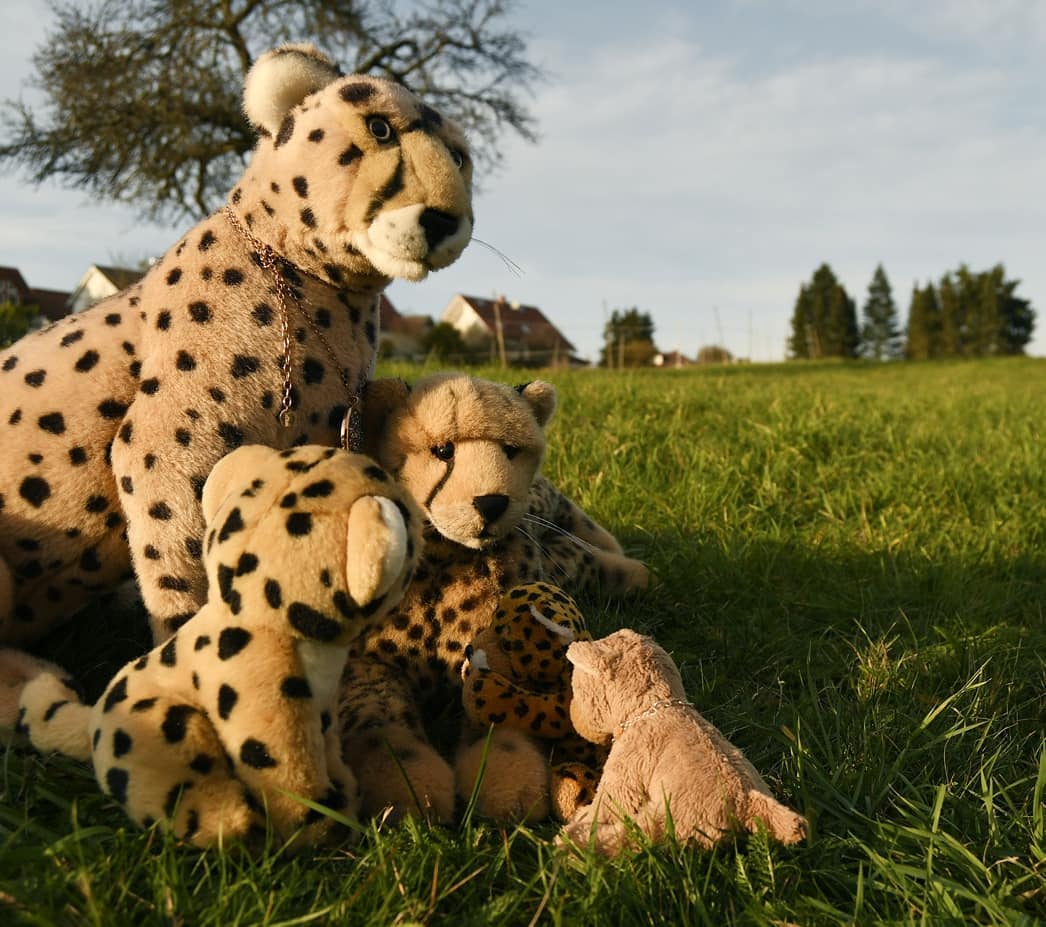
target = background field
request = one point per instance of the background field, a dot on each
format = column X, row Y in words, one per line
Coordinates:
column 853, row 570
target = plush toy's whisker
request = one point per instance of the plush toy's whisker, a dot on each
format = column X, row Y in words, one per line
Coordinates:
column 559, row 529
column 544, row 551
column 506, row 260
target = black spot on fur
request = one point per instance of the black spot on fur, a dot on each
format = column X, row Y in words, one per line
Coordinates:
column 87, row 361
column 233, row 523
column 122, row 743
column 174, row 723
column 67, row 340
column 285, row 132
column 227, row 699
column 96, row 504
column 318, row 490
column 163, row 320
column 313, row 371
column 112, row 409
column 307, row 218
column 116, row 694
column 247, row 563
column 350, row 154
column 299, row 524
column 36, row 378
column 207, row 240
column 200, row 312
column 116, row 784
column 296, row 687
column 312, row 623
column 232, row 277
column 231, row 641
column 254, row 753
column 230, row 434
column 35, row 490
column 273, row 593
column 77, row 456
column 202, row 763
column 356, row 92
column 243, row 365
column 161, row 511
column 262, row 314
column 53, row 422
column 185, row 361
column 169, row 652
column 174, row 276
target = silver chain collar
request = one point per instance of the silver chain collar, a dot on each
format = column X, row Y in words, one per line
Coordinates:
column 658, row 706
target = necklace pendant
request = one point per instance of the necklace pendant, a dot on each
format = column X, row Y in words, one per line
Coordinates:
column 352, row 431
column 287, row 418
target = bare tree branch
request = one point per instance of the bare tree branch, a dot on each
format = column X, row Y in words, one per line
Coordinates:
column 142, row 97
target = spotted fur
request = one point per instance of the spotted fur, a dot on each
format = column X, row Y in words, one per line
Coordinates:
column 516, row 675
column 218, row 732
column 469, row 451
column 111, row 419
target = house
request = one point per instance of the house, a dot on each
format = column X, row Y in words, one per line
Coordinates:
column 99, row 282
column 401, row 334
column 53, row 304
column 519, row 334
column 671, row 359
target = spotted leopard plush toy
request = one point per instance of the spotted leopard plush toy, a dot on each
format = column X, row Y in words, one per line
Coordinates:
column 220, row 730
column 516, row 675
column 468, row 450
column 258, row 326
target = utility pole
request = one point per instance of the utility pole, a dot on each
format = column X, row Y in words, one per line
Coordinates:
column 499, row 331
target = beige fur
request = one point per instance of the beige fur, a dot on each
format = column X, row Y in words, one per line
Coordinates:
column 225, row 727
column 111, row 419
column 665, row 759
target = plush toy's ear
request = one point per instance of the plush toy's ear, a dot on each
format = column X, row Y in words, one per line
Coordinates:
column 587, row 656
column 280, row 79
column 542, row 399
column 379, row 399
column 231, row 473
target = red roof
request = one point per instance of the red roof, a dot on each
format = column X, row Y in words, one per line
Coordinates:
column 518, row 322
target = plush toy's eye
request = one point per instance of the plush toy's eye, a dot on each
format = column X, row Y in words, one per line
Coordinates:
column 511, row 451
column 379, row 128
column 444, row 451
column 459, row 158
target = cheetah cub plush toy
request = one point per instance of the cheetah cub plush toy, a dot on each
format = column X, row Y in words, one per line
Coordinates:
column 468, row 451
column 217, row 731
column 258, row 326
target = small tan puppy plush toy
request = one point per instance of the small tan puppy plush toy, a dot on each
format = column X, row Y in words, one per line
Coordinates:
column 665, row 758
column 216, row 731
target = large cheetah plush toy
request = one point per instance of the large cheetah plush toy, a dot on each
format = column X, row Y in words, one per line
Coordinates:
column 219, row 732
column 259, row 326
column 468, row 451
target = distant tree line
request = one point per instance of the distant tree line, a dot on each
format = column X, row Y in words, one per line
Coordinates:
column 965, row 314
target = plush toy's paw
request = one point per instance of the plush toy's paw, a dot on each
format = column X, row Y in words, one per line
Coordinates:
column 17, row 669
column 408, row 776
column 573, row 786
column 621, row 574
column 780, row 821
column 512, row 776
column 377, row 545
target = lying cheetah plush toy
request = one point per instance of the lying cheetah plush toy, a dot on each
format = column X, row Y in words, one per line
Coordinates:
column 259, row 326
column 468, row 451
column 215, row 732
column 516, row 675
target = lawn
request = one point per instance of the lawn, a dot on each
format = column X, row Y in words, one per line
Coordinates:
column 852, row 564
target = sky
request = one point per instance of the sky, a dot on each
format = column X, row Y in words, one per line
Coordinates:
column 699, row 160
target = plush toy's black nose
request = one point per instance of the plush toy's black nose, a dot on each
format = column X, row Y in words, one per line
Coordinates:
column 491, row 507
column 437, row 225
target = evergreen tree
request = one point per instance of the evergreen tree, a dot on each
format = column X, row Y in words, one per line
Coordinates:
column 880, row 335
column 924, row 324
column 824, row 321
column 15, row 321
column 628, row 339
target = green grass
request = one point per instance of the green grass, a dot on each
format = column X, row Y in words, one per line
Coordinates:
column 852, row 565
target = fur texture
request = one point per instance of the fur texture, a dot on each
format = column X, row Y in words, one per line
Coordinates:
column 217, row 731
column 468, row 451
column 111, row 419
column 516, row 675
column 666, row 760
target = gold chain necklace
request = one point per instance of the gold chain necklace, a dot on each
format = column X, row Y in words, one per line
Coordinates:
column 352, row 423
column 659, row 705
